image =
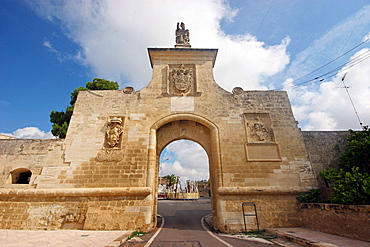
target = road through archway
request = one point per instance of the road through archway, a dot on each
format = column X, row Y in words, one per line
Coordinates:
column 183, row 226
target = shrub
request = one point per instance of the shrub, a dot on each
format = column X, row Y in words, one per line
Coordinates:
column 311, row 196
column 349, row 187
column 357, row 152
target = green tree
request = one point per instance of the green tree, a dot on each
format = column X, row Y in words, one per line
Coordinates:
column 60, row 120
column 171, row 178
column 349, row 187
column 357, row 152
column 351, row 184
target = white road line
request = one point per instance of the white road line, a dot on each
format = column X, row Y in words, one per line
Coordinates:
column 212, row 234
column 156, row 234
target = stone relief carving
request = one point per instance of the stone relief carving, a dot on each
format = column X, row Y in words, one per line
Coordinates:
column 181, row 79
column 182, row 36
column 259, row 131
column 110, row 155
column 113, row 133
column 258, row 127
column 260, row 145
column 128, row 90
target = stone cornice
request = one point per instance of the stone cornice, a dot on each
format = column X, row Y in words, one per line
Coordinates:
column 263, row 190
column 185, row 55
column 77, row 192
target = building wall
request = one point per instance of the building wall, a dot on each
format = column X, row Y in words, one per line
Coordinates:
column 324, row 149
column 351, row 221
column 34, row 155
column 106, row 170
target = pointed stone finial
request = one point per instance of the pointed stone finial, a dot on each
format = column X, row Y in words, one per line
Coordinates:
column 182, row 36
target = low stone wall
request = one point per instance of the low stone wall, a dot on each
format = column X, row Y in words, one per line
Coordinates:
column 351, row 221
column 82, row 208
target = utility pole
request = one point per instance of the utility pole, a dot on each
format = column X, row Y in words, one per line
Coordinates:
column 349, row 96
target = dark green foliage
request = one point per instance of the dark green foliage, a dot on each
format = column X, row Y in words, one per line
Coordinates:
column 311, row 196
column 351, row 184
column 350, row 187
column 171, row 178
column 61, row 119
column 357, row 153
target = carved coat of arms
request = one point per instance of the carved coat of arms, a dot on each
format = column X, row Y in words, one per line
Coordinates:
column 113, row 132
column 181, row 79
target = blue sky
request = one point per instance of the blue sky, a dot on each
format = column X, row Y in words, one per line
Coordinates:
column 48, row 48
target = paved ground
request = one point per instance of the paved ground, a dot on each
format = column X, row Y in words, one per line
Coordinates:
column 61, row 238
column 308, row 237
column 183, row 227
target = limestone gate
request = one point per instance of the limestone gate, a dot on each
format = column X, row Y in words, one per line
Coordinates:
column 104, row 175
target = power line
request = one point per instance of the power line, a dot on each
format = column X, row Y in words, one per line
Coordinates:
column 358, row 59
column 329, row 62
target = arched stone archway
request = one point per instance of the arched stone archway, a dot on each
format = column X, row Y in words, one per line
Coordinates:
column 191, row 127
column 263, row 160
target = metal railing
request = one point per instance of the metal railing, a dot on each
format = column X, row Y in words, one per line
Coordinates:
column 249, row 213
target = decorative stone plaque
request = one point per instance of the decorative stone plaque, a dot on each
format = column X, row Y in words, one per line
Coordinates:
column 258, row 128
column 110, row 155
column 113, row 133
column 182, row 80
column 260, row 144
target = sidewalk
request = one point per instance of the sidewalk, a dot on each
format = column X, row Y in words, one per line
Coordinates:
column 82, row 238
column 62, row 238
column 307, row 237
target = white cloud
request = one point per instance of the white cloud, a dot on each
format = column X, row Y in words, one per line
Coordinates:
column 114, row 35
column 329, row 107
column 366, row 38
column 332, row 44
column 30, row 133
column 186, row 159
column 50, row 46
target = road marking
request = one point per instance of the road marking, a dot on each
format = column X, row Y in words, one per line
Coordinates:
column 156, row 234
column 212, row 234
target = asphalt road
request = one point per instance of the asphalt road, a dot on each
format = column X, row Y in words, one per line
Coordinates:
column 183, row 226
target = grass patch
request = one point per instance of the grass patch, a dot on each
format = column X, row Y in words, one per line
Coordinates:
column 134, row 234
column 259, row 234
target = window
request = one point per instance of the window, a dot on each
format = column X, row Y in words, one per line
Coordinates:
column 21, row 176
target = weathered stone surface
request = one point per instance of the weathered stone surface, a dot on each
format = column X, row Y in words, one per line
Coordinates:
column 324, row 149
column 85, row 178
column 352, row 221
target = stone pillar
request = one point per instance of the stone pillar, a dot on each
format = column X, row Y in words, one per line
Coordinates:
column 152, row 177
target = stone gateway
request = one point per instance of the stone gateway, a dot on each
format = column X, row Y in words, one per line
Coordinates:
column 104, row 175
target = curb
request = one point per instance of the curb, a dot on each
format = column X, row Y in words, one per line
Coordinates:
column 118, row 241
column 298, row 240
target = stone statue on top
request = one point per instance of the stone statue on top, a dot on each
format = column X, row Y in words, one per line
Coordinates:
column 182, row 36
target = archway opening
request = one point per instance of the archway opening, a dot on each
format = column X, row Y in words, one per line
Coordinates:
column 187, row 127
column 183, row 167
column 21, row 176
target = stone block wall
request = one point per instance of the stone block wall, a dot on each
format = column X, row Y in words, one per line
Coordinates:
column 351, row 221
column 89, row 209
column 33, row 155
column 324, row 149
column 255, row 148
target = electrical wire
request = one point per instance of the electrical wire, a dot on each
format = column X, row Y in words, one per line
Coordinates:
column 335, row 59
column 356, row 60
